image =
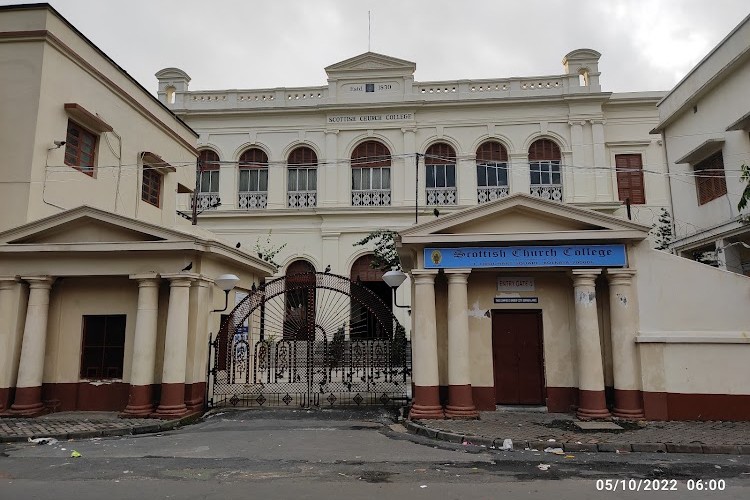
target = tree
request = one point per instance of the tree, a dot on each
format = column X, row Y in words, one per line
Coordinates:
column 385, row 255
column 663, row 230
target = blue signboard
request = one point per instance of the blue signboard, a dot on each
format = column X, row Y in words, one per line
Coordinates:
column 526, row 256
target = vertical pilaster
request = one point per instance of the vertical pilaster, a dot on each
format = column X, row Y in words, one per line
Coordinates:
column 460, row 400
column 591, row 400
column 624, row 329
column 328, row 184
column 175, row 347
column 603, row 182
column 408, row 174
column 520, row 176
column 466, row 180
column 424, row 348
column 140, row 396
column 28, row 400
column 578, row 159
column 228, row 189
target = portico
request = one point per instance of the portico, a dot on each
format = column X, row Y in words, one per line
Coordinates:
column 96, row 314
column 524, row 301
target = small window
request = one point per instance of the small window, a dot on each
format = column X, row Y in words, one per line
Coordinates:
column 492, row 165
column 544, row 163
column 440, row 166
column 151, row 185
column 80, row 148
column 709, row 178
column 629, row 170
column 103, row 346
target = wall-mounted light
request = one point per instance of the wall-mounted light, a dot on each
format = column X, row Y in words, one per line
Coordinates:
column 226, row 282
column 394, row 278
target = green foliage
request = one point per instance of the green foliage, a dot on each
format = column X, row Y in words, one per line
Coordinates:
column 663, row 230
column 385, row 255
column 745, row 196
column 267, row 251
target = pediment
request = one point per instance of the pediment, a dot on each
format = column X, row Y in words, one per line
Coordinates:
column 88, row 225
column 371, row 62
column 522, row 217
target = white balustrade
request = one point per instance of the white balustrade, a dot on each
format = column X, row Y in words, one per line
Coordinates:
column 442, row 196
column 301, row 199
column 371, row 197
column 552, row 192
column 491, row 193
column 253, row 200
column 207, row 201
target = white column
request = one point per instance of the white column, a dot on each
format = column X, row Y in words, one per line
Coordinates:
column 10, row 337
column 626, row 366
column 28, row 400
column 424, row 348
column 175, row 347
column 460, row 399
column 328, row 185
column 197, row 352
column 144, row 346
column 591, row 400
column 277, row 185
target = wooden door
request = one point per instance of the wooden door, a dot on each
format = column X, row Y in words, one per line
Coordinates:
column 517, row 357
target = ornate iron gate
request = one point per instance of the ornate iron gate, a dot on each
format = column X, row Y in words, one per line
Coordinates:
column 310, row 339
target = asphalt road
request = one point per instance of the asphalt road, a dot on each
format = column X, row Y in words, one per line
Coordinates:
column 340, row 454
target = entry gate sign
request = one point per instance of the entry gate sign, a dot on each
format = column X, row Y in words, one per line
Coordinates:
column 526, row 256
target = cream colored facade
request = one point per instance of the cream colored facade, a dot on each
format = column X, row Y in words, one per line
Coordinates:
column 46, row 64
column 708, row 113
column 82, row 244
column 661, row 337
column 589, row 125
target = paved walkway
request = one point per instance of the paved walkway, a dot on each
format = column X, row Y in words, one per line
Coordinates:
column 70, row 425
column 540, row 430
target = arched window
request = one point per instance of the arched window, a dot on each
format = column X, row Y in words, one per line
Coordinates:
column 544, row 163
column 253, row 166
column 299, row 301
column 371, row 174
column 440, row 174
column 362, row 323
column 208, row 180
column 492, row 171
column 302, row 178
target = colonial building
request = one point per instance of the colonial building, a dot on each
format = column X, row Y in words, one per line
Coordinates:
column 705, row 123
column 106, row 292
column 320, row 167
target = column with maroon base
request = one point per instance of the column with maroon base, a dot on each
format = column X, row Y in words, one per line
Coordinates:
column 172, row 402
column 460, row 399
column 591, row 400
column 28, row 400
column 626, row 367
column 426, row 401
column 144, row 347
column 10, row 336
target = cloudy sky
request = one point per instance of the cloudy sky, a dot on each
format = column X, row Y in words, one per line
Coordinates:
column 645, row 44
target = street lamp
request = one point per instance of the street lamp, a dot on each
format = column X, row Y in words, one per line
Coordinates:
column 393, row 279
column 226, row 282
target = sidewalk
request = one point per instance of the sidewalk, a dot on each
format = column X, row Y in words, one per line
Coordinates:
column 72, row 425
column 540, row 430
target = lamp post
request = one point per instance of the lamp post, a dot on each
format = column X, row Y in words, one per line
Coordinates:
column 226, row 282
column 394, row 278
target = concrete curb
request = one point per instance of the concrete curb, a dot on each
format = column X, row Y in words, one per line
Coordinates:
column 613, row 447
column 157, row 426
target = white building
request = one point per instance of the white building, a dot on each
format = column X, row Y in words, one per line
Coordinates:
column 705, row 123
column 320, row 167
